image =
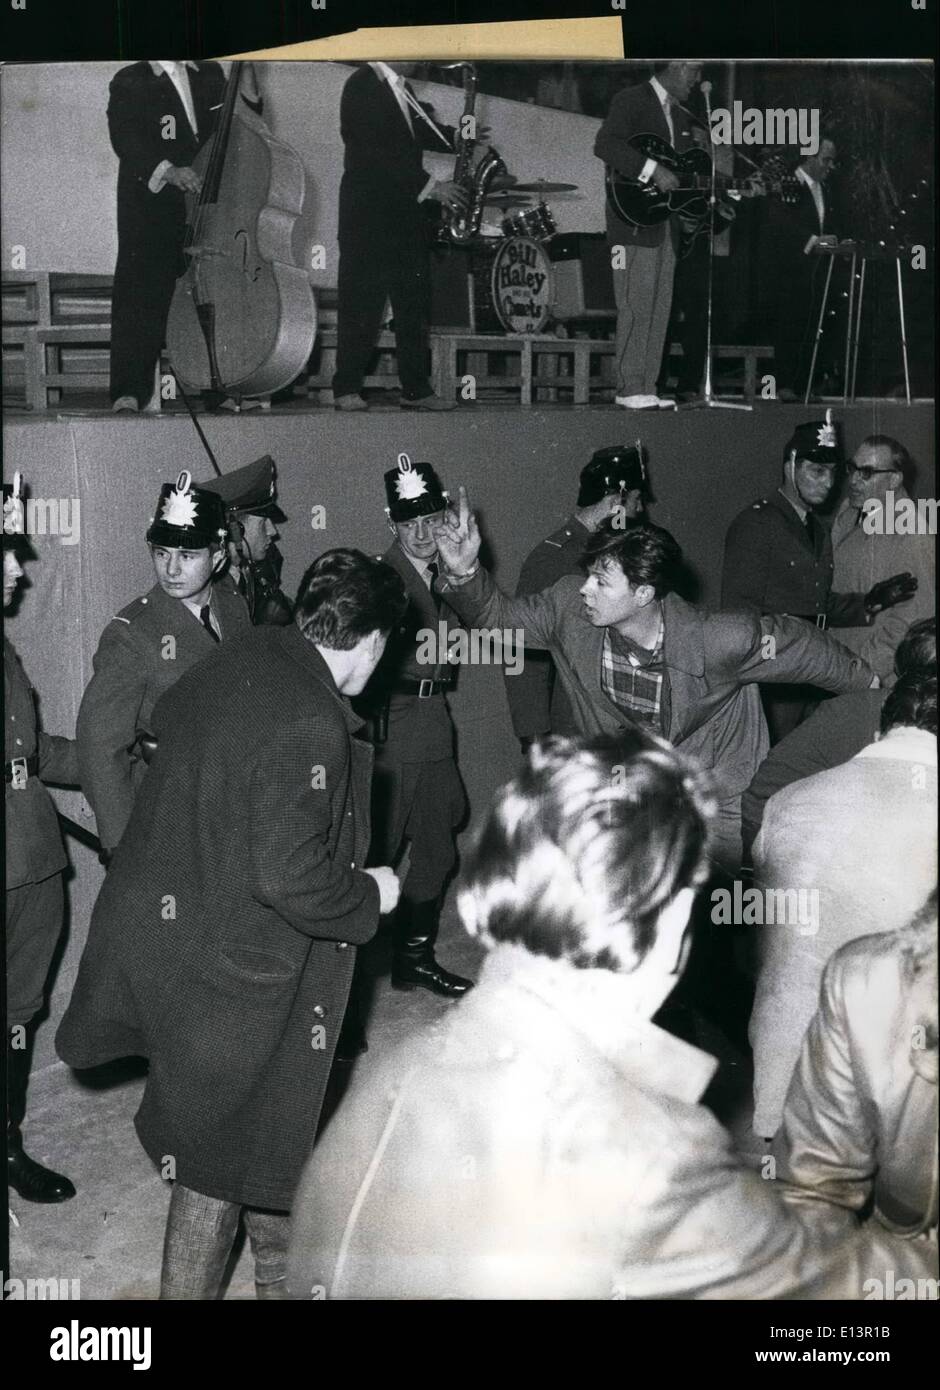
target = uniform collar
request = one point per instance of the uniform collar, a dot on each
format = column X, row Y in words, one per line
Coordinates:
column 595, row 1004
column 801, row 512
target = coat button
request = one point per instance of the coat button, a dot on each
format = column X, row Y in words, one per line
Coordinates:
column 352, row 864
column 319, row 1011
column 342, row 945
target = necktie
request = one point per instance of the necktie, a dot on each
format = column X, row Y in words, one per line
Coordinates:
column 433, row 570
column 206, row 620
column 815, row 529
column 178, row 75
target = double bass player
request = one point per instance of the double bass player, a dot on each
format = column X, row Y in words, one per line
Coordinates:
column 160, row 115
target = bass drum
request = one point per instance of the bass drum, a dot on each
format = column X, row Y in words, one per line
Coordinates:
column 523, row 285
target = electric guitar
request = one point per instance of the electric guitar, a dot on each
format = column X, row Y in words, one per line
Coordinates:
column 645, row 205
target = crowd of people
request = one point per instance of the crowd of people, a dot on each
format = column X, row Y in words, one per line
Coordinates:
column 271, row 778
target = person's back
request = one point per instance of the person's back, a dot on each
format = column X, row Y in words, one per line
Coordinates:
column 855, row 849
column 859, row 1131
column 545, row 1139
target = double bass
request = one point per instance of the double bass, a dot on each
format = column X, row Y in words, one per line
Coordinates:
column 243, row 318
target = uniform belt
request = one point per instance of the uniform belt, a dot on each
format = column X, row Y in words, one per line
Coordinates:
column 423, row 689
column 817, row 619
column 21, row 768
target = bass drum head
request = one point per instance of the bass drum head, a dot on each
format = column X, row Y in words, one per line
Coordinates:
column 523, row 285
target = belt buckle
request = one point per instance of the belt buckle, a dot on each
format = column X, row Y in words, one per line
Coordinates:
column 18, row 773
column 425, row 693
column 821, row 621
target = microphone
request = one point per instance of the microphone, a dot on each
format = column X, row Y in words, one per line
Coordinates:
column 705, row 88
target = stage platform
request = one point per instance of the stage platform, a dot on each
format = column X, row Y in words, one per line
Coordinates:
column 520, row 467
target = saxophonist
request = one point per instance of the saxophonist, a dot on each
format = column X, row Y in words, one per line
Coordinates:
column 383, row 237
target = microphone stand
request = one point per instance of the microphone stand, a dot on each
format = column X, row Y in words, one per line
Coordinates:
column 708, row 400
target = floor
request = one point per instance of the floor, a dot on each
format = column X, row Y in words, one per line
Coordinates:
column 110, row 1235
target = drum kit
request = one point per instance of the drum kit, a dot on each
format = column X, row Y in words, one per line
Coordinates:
column 512, row 269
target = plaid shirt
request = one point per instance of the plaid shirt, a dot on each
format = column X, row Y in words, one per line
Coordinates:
column 634, row 679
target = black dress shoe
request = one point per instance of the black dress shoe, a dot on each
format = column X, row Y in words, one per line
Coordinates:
column 33, row 1182
column 407, row 974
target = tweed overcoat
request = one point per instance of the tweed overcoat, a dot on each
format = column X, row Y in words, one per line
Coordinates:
column 223, row 942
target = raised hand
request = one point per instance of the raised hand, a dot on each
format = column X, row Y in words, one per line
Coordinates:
column 458, row 537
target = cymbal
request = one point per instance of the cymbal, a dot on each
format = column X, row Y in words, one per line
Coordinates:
column 543, row 186
column 508, row 200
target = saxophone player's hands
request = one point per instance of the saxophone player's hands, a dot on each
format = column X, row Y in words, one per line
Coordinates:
column 452, row 195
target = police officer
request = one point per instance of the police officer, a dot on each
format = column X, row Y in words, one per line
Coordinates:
column 419, row 795
column 249, row 496
column 35, row 858
column 614, row 478
column 778, row 559
column 149, row 644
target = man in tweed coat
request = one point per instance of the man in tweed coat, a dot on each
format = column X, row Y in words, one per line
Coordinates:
column 223, row 943
column 629, row 651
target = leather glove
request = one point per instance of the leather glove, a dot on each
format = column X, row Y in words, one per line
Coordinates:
column 888, row 592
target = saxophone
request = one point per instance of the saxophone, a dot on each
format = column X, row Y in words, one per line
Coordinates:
column 460, row 227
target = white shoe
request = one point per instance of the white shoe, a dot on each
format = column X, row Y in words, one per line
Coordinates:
column 665, row 404
column 125, row 403
column 637, row 402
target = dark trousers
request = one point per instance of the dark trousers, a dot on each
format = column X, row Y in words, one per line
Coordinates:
column 148, row 264
column 422, row 803
column 368, row 274
column 34, row 921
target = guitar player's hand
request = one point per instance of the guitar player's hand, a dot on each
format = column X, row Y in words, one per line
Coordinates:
column 664, row 179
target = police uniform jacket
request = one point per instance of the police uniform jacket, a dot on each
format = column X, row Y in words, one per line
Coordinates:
column 537, row 701
column 142, row 652
column 419, row 730
column 34, row 849
column 712, row 662
column 223, row 941
column 770, row 564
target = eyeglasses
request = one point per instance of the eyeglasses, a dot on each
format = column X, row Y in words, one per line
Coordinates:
column 865, row 473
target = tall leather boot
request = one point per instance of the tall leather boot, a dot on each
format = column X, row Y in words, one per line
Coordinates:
column 413, row 965
column 30, row 1179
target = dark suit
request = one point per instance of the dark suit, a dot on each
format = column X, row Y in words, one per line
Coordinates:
column 643, row 286
column 792, row 282
column 151, row 226
column 382, row 234
column 142, row 652
column 254, row 826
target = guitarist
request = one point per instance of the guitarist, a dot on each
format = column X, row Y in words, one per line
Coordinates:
column 643, row 276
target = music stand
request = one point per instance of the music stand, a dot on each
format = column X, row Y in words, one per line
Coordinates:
column 864, row 252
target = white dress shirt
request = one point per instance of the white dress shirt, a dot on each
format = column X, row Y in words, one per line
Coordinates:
column 178, row 75
column 816, row 190
column 665, row 101
column 397, row 84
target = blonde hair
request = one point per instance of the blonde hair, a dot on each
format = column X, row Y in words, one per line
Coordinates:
column 580, row 853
